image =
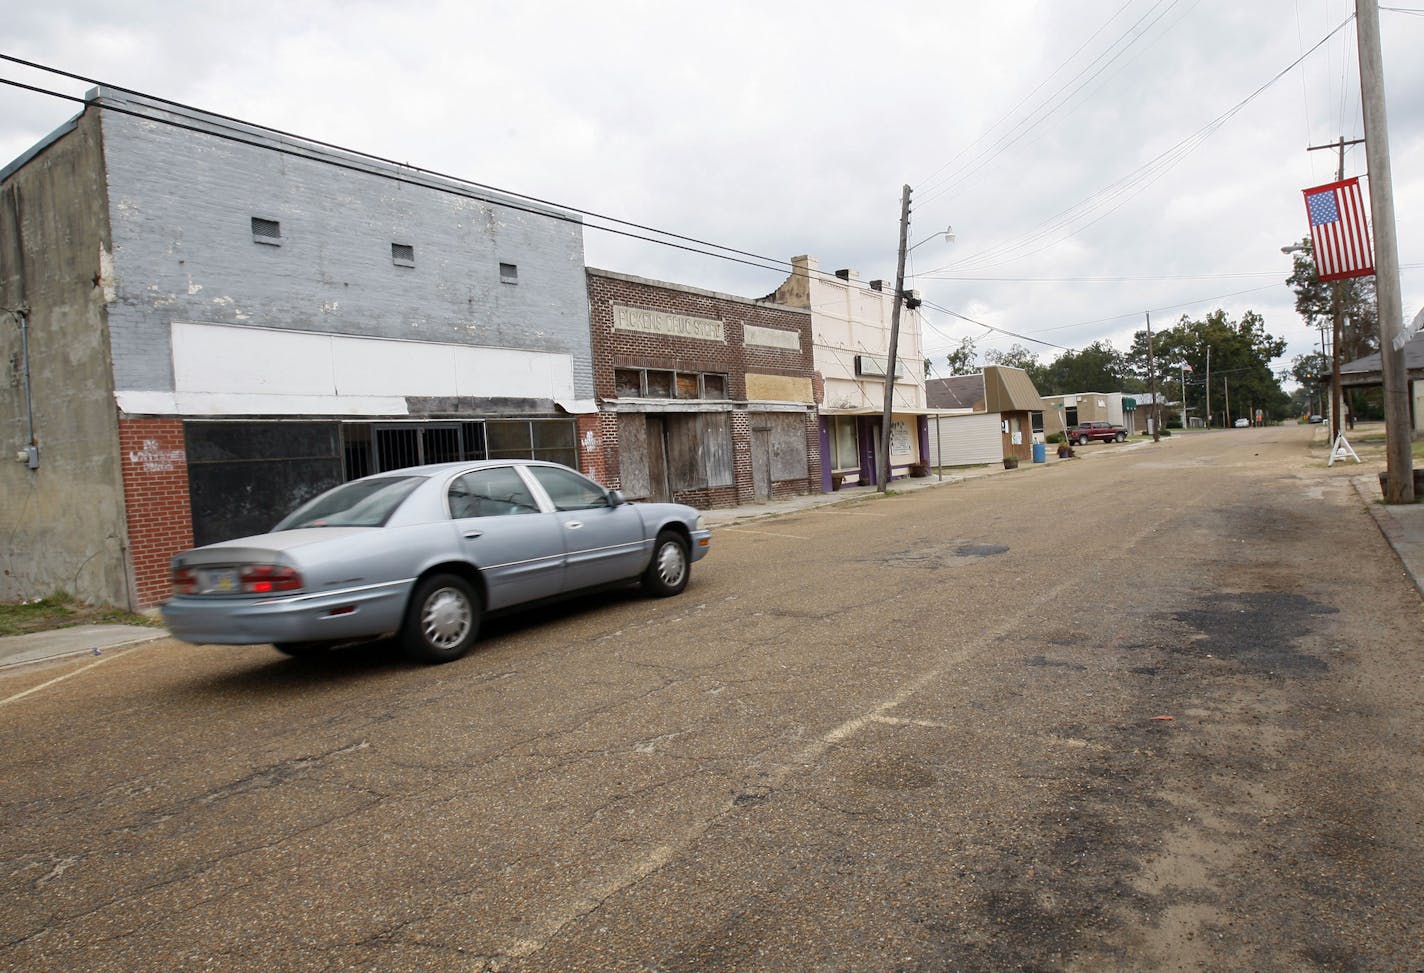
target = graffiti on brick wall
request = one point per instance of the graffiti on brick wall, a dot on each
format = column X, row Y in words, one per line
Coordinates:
column 153, row 458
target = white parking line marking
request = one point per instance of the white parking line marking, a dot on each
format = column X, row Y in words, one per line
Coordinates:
column 768, row 533
column 67, row 675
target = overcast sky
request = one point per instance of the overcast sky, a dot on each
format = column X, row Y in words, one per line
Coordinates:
column 1097, row 159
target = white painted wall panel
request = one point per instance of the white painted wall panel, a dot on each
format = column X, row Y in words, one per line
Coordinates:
column 966, row 440
column 227, row 370
column 210, row 358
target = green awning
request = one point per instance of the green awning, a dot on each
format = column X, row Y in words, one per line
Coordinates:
column 1129, row 405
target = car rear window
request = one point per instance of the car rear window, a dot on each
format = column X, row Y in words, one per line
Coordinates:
column 360, row 503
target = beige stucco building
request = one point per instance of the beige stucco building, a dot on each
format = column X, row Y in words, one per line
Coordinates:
column 850, row 325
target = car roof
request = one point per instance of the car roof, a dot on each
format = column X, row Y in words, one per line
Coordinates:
column 435, row 469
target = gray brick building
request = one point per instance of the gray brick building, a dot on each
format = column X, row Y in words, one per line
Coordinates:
column 204, row 322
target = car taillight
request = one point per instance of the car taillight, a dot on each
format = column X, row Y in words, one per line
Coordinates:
column 185, row 582
column 262, row 579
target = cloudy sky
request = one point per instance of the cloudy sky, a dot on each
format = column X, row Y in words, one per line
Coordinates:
column 1096, row 159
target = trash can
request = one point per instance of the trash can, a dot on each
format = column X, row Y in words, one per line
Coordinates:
column 1040, row 453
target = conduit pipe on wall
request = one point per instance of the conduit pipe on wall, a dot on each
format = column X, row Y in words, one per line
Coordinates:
column 31, row 454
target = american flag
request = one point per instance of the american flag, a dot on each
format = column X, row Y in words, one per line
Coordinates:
column 1339, row 231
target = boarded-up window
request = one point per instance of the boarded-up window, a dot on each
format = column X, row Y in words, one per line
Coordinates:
column 629, row 382
column 788, row 444
column 633, row 455
column 699, row 450
column 714, row 437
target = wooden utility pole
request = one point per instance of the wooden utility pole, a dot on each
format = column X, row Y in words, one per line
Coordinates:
column 1152, row 380
column 1206, row 411
column 1398, row 432
column 894, row 341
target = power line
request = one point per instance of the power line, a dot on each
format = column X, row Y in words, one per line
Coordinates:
column 928, row 180
column 470, row 190
column 998, row 148
column 1113, row 197
column 1095, row 280
column 1004, row 331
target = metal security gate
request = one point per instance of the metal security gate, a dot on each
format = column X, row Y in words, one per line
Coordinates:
column 396, row 447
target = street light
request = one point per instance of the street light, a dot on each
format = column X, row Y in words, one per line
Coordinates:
column 947, row 236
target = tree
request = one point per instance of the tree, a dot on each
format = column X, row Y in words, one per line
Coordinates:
column 1315, row 301
column 1097, row 368
column 963, row 360
column 1359, row 307
column 1241, row 356
column 1018, row 357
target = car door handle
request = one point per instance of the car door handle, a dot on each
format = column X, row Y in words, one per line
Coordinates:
column 574, row 524
column 472, row 534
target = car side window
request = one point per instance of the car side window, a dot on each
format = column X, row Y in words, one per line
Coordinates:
column 569, row 490
column 497, row 492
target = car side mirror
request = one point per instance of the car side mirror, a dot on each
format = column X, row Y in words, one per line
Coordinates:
column 616, row 499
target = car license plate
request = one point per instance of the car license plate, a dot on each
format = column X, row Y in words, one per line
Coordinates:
column 220, row 581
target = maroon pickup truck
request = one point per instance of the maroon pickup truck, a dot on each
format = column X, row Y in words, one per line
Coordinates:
column 1087, row 432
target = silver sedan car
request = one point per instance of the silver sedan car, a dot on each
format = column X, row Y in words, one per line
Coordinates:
column 424, row 553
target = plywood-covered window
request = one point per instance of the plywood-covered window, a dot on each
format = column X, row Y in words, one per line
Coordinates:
column 788, row 446
column 656, row 383
column 699, row 450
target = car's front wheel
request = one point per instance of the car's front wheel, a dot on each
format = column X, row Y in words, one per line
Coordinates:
column 667, row 572
column 1120, row 437
column 442, row 620
column 1083, row 440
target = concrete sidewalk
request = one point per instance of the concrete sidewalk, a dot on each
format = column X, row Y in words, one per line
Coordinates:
column 1401, row 524
column 60, row 643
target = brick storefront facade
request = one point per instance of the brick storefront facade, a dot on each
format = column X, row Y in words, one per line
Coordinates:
column 154, row 461
column 759, row 353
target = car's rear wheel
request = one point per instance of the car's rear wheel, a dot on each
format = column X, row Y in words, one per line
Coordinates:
column 302, row 650
column 442, row 620
column 667, row 573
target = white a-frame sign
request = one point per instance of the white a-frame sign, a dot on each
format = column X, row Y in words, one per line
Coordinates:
column 1340, row 450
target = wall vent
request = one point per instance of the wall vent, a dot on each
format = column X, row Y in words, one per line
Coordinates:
column 266, row 231
column 508, row 274
column 402, row 255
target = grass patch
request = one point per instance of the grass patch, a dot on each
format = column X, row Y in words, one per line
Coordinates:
column 63, row 611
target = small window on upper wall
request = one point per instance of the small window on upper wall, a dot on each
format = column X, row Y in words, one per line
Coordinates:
column 660, row 385
column 628, row 382
column 266, row 231
column 508, row 273
column 402, row 255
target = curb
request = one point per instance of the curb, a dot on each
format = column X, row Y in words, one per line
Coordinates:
column 1402, row 527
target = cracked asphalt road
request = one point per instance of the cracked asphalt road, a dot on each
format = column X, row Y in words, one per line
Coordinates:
column 1159, row 709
